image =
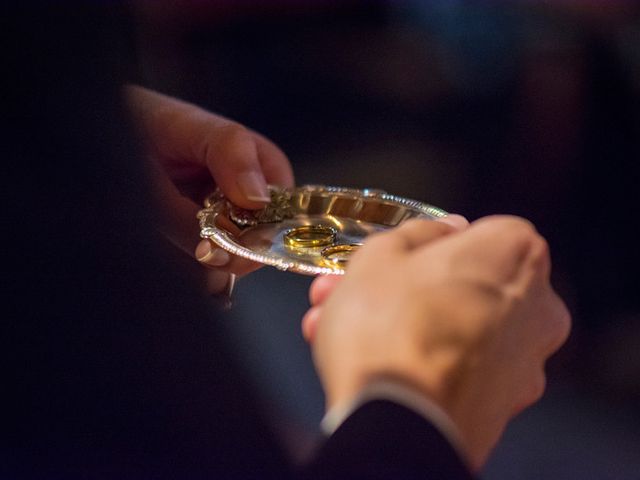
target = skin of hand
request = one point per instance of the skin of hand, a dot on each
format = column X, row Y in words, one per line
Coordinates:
column 468, row 317
column 191, row 151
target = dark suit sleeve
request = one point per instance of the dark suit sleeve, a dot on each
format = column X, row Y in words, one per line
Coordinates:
column 384, row 440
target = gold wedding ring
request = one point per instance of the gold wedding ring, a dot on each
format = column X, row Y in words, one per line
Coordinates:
column 338, row 255
column 310, row 236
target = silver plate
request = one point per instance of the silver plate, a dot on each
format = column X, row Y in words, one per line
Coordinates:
column 354, row 213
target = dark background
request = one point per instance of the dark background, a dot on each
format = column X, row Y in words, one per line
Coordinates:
column 524, row 108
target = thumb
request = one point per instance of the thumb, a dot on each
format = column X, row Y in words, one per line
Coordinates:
column 231, row 155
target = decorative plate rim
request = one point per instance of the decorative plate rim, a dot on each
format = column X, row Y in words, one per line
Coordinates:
column 214, row 206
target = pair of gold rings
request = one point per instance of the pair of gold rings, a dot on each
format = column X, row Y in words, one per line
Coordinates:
column 313, row 237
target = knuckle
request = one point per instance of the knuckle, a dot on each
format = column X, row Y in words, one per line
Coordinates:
column 228, row 143
column 507, row 222
column 522, row 234
column 440, row 227
column 517, row 234
column 377, row 241
column 538, row 387
column 421, row 225
column 535, row 388
column 228, row 136
column 523, row 240
column 565, row 324
column 559, row 326
column 232, row 130
column 512, row 224
column 539, row 249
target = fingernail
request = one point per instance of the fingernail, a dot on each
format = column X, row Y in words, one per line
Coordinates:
column 254, row 186
column 216, row 257
column 456, row 221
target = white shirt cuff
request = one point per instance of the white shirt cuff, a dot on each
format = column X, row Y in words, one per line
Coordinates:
column 402, row 394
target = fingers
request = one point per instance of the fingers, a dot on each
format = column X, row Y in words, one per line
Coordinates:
column 408, row 236
column 555, row 324
column 517, row 256
column 212, row 256
column 510, row 252
column 231, row 154
column 560, row 324
column 322, row 287
column 415, row 232
column 275, row 164
column 554, row 320
column 532, row 390
column 190, row 146
column 456, row 221
column 185, row 137
column 310, row 323
column 242, row 162
column 493, row 247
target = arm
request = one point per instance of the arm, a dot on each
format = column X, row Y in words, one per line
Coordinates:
column 191, row 151
column 466, row 318
column 385, row 440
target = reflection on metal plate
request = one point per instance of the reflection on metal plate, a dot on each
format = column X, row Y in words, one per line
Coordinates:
column 353, row 215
